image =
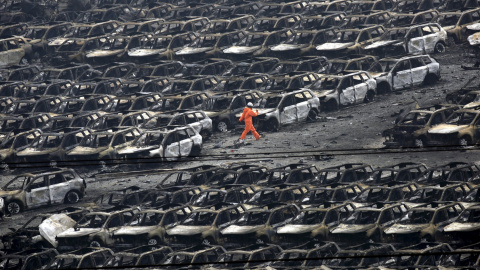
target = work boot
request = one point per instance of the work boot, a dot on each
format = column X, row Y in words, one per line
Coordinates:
column 259, row 136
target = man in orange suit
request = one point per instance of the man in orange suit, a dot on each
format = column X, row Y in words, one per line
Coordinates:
column 247, row 116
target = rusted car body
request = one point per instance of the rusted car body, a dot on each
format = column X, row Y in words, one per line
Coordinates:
column 95, row 229
column 459, row 129
column 13, row 50
column 424, row 38
column 335, row 91
column 412, row 129
column 277, row 110
column 395, row 74
column 32, row 190
column 149, row 227
column 456, row 23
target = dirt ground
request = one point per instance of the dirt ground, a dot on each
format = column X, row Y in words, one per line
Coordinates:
column 351, row 134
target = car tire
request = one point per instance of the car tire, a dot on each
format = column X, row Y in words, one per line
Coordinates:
column 222, row 126
column 331, row 105
column 430, row 79
column 312, row 116
column 95, row 243
column 383, row 88
column 72, row 197
column 153, row 241
column 419, row 142
column 272, row 125
column 464, row 141
column 439, row 47
column 208, row 241
column 14, row 207
column 369, row 97
column 196, row 150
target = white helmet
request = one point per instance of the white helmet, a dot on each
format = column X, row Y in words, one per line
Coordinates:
column 250, row 104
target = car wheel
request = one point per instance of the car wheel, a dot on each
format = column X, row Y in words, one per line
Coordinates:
column 222, row 126
column 208, row 241
column 95, row 243
column 464, row 142
column 419, row 142
column 312, row 116
column 195, row 151
column 331, row 105
column 72, row 197
column 439, row 47
column 430, row 79
column 369, row 97
column 383, row 88
column 272, row 125
column 14, row 207
column 153, row 241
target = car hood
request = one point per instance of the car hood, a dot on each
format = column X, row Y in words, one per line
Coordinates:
column 57, row 42
column 69, row 233
column 235, row 229
column 134, row 230
column 82, row 150
column 189, row 50
column 333, row 46
column 465, row 227
column 4, row 193
column 352, row 228
column 297, row 229
column 241, row 49
column 135, row 149
column 446, row 129
column 378, row 74
column 288, row 47
column 380, row 43
column 405, row 228
column 34, row 152
column 187, row 230
column 474, row 39
column 144, row 52
column 103, row 53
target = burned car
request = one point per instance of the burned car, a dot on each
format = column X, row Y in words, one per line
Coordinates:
column 423, row 222
column 164, row 144
column 456, row 23
column 95, row 229
column 331, row 194
column 82, row 258
column 367, row 223
column 40, row 36
column 53, row 146
column 314, row 222
column 138, row 257
column 103, row 145
column 459, row 129
column 363, row 255
column 464, row 227
column 423, row 38
column 28, row 259
column 249, row 256
column 259, row 224
column 452, row 172
column 32, row 190
column 195, row 119
column 288, row 175
column 232, row 196
column 222, row 108
column 160, row 47
column 442, row 193
column 343, row 174
column 257, row 44
column 303, row 42
column 148, row 227
column 204, row 225
column 14, row 50
column 395, row 74
column 209, row 45
column 335, row 91
column 404, row 172
column 16, row 142
column 351, row 40
column 390, row 194
column 279, row 109
column 112, row 48
column 412, row 129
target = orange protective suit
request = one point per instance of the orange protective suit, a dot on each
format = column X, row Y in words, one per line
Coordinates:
column 247, row 116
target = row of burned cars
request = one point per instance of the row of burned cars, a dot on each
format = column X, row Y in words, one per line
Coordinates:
column 455, row 122
column 337, row 217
